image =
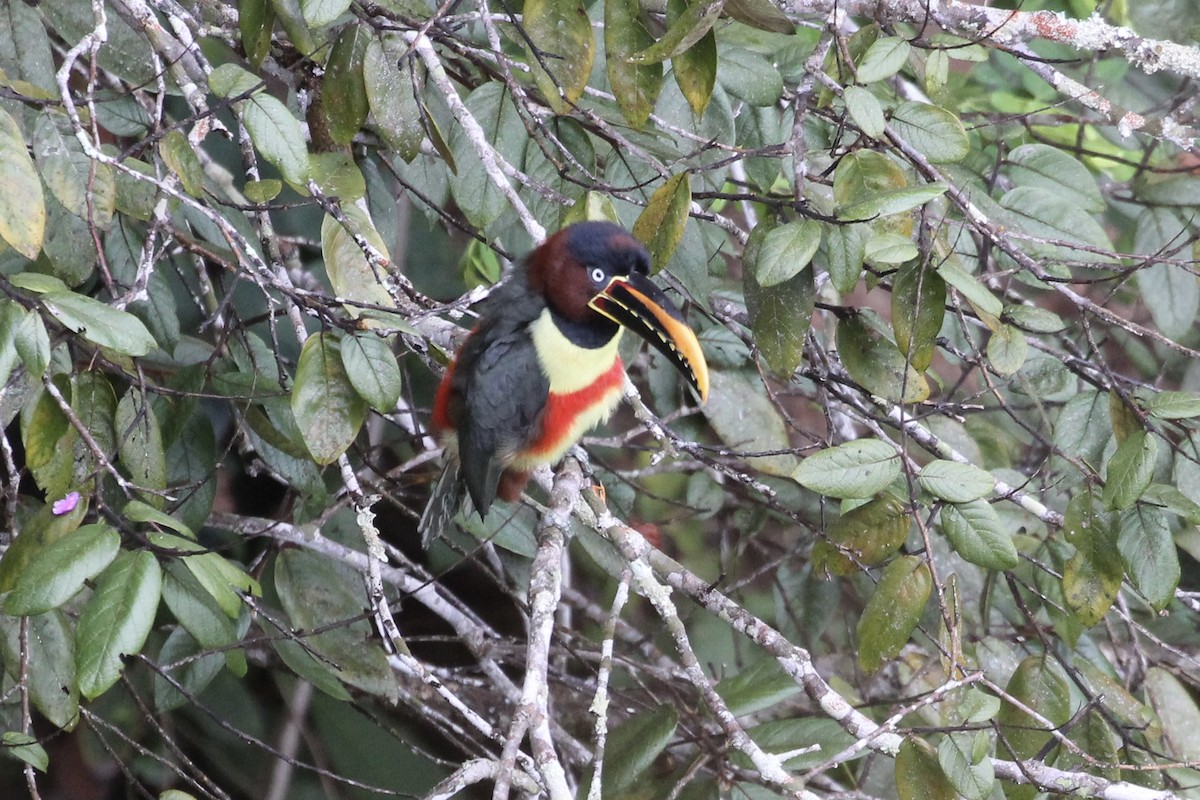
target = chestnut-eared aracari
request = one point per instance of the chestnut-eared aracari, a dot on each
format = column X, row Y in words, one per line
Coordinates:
column 541, row 367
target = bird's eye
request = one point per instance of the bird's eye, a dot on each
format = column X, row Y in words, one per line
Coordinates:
column 597, row 275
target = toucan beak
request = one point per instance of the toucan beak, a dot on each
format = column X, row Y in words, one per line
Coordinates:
column 633, row 301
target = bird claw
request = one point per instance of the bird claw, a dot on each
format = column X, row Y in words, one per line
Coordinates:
column 600, row 492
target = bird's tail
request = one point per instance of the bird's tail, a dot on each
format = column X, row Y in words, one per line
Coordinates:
column 444, row 501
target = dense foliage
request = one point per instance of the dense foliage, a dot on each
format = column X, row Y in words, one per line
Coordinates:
column 934, row 533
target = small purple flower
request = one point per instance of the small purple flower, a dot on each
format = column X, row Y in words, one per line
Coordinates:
column 66, row 505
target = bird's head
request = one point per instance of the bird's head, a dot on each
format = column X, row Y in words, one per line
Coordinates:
column 595, row 273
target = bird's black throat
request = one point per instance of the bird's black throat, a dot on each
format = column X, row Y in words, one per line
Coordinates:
column 592, row 334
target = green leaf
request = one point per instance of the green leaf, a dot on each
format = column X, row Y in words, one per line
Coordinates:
column 256, row 19
column 140, row 444
column 1149, row 553
column 327, row 409
column 918, row 774
column 932, row 130
column 175, row 794
column 37, row 283
column 862, row 537
column 262, row 191
column 320, row 594
column 764, row 684
column 108, row 327
column 786, row 250
column 761, row 14
column 986, row 304
column 854, row 469
column 1176, row 707
column 749, row 76
column 11, row 315
column 22, row 206
column 956, row 482
column 814, row 734
column 338, row 175
column 46, row 434
column 1033, row 319
column 33, row 344
column 1047, row 167
column 84, row 187
column 187, row 663
column 196, row 609
column 277, row 135
column 560, row 49
column 1130, row 470
column 780, row 317
column 976, row 534
column 58, row 571
column 844, row 255
column 1038, row 683
column 479, row 198
column 1092, row 577
column 1084, row 427
column 319, row 13
column 918, row 308
column 343, row 91
column 889, row 248
column 389, row 84
column 1007, row 350
column 687, row 29
column 966, row 765
column 745, row 419
column 636, row 86
column 863, row 175
column 230, row 80
column 116, row 620
column 50, row 651
column 70, row 251
column 222, row 579
column 138, row 511
column 26, row 748
column 27, row 59
column 352, row 275
column 937, row 72
column 1173, row 405
column 371, row 366
column 1042, row 214
column 875, row 363
column 865, row 110
column 38, row 532
column 893, row 611
column 660, row 226
column 634, row 745
column 1170, row 292
column 883, row 59
column 180, row 158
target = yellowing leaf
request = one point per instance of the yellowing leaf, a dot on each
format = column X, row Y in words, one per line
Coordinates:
column 635, row 86
column 875, row 363
column 22, row 206
column 862, row 537
column 343, row 92
column 660, row 226
column 893, row 611
column 562, row 61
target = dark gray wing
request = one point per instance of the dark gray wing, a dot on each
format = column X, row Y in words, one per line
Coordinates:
column 503, row 395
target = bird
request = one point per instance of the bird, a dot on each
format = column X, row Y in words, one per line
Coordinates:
column 541, row 367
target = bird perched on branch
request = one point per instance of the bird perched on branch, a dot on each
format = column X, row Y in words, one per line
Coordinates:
column 541, row 367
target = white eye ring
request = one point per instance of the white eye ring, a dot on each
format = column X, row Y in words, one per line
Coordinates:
column 597, row 275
